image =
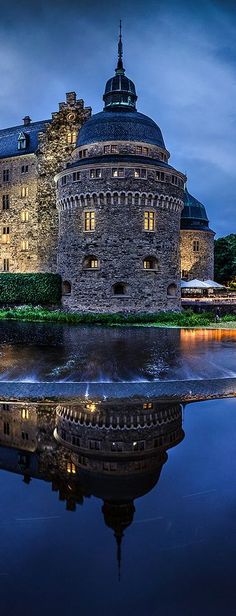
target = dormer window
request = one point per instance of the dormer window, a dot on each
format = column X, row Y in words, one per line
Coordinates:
column 22, row 142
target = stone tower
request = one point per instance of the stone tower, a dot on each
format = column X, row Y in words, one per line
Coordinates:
column 196, row 241
column 119, row 204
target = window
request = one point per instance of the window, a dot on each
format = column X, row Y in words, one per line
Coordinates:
column 71, row 468
column 24, row 436
column 76, row 176
column 6, row 235
column 138, row 446
column 24, row 191
column 75, row 441
column 21, row 143
column 95, row 173
column 174, row 180
column 145, row 151
column 25, row 414
column 119, row 288
column 114, row 149
column 5, row 406
column 5, row 202
column 6, row 428
column 83, row 154
column 185, row 274
column 66, row 287
column 107, row 149
column 140, row 173
column 24, row 168
column 172, row 290
column 150, row 263
column 139, row 149
column 24, row 216
column 160, row 176
column 116, row 447
column 94, row 445
column 91, row 263
column 6, row 175
column 25, row 245
column 6, row 265
column 118, row 172
column 110, row 149
column 195, row 245
column 89, row 221
column 149, row 220
column 71, row 137
column 63, row 180
column 147, row 405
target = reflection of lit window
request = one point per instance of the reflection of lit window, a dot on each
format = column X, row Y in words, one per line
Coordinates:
column 138, row 445
column 147, row 405
column 25, row 436
column 91, row 407
column 116, row 446
column 94, row 445
column 25, row 414
column 71, row 469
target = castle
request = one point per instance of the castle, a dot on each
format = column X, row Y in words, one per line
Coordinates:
column 94, row 198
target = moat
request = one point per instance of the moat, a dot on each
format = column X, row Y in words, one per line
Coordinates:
column 123, row 498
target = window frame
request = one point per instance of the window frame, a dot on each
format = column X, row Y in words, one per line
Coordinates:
column 146, row 217
column 87, row 214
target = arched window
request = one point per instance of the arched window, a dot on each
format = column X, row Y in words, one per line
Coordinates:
column 150, row 263
column 119, row 288
column 66, row 287
column 22, row 142
column 172, row 290
column 91, row 262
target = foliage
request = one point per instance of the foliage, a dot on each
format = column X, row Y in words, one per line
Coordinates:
column 187, row 318
column 30, row 288
column 225, row 259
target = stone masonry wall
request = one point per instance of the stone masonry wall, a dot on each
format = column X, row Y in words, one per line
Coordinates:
column 199, row 264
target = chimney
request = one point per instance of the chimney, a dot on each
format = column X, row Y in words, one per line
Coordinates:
column 26, row 120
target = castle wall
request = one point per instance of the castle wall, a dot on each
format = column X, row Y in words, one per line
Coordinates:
column 197, row 264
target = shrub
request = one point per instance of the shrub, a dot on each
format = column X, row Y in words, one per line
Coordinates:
column 30, row 288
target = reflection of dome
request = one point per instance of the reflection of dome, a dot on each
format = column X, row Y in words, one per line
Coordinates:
column 194, row 214
column 120, row 126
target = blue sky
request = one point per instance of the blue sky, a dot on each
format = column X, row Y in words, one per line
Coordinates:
column 181, row 55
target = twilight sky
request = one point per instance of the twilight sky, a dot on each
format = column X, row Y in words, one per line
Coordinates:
column 180, row 54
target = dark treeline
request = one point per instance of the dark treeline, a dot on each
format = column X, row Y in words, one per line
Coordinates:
column 225, row 260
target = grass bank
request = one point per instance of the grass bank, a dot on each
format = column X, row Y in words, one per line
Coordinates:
column 186, row 318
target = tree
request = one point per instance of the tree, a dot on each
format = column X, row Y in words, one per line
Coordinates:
column 225, row 259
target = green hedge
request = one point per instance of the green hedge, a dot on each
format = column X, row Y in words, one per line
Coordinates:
column 30, row 289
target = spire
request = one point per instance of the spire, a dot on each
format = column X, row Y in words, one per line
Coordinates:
column 120, row 69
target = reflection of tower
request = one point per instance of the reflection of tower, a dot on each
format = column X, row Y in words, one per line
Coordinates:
column 118, row 516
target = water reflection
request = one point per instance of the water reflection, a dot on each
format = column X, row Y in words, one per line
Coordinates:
column 41, row 352
column 112, row 450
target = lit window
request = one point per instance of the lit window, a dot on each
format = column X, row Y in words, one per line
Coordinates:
column 24, row 191
column 21, row 143
column 71, row 137
column 6, row 428
column 89, row 221
column 91, row 263
column 149, row 220
column 24, row 168
column 145, row 151
column 195, row 245
column 148, row 405
column 6, row 235
column 25, row 245
column 6, row 265
column 5, row 202
column 139, row 149
column 140, row 173
column 95, row 173
column 160, row 176
column 76, row 176
column 6, row 175
column 150, row 263
column 71, row 468
column 24, row 216
column 118, row 172
column 25, row 414
column 63, row 180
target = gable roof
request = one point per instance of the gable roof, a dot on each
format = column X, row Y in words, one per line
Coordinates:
column 9, row 138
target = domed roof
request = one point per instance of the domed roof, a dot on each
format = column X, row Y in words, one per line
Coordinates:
column 120, row 126
column 194, row 214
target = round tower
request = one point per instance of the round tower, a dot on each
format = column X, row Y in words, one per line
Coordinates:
column 120, row 204
column 196, row 241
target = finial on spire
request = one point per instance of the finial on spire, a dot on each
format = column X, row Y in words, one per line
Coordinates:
column 120, row 67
